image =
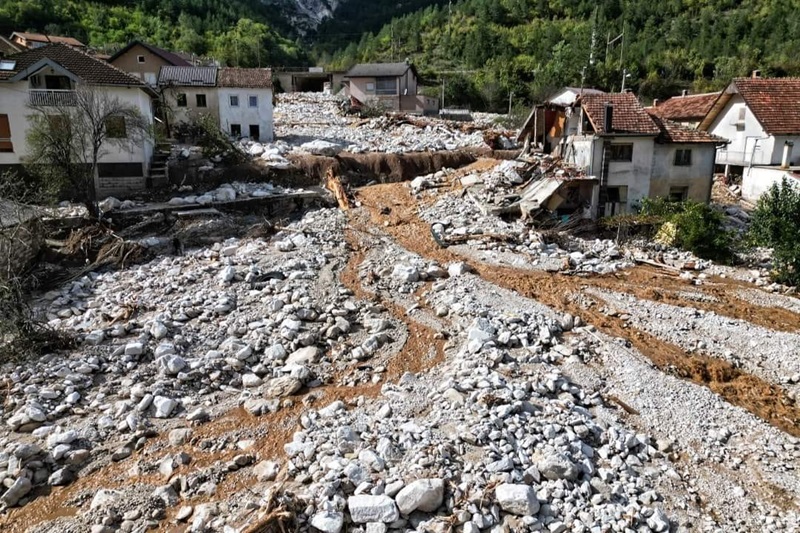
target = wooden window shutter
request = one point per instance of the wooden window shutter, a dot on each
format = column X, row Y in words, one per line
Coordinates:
column 5, row 135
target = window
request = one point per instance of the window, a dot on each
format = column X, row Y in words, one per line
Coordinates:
column 740, row 122
column 236, row 130
column 370, row 87
column 201, row 100
column 115, row 128
column 140, row 59
column 621, row 152
column 253, row 101
column 234, row 100
column 255, row 131
column 678, row 194
column 57, row 83
column 386, row 86
column 5, row 135
column 683, row 158
column 7, row 64
column 181, row 99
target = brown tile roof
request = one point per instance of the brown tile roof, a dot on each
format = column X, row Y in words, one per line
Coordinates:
column 42, row 38
column 254, row 78
column 89, row 69
column 672, row 132
column 775, row 102
column 689, row 107
column 169, row 57
column 629, row 116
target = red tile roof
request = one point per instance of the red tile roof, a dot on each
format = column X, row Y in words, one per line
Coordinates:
column 629, row 117
column 42, row 38
column 775, row 102
column 89, row 69
column 690, row 107
column 672, row 132
column 249, row 78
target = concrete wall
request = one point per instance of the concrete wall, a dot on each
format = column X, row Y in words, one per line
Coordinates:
column 14, row 102
column 758, row 180
column 147, row 71
column 244, row 115
column 183, row 115
column 406, row 85
column 697, row 177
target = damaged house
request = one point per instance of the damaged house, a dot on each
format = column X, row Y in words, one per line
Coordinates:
column 760, row 117
column 632, row 154
column 394, row 85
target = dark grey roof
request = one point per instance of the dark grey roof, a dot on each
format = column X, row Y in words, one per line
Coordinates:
column 188, row 76
column 369, row 70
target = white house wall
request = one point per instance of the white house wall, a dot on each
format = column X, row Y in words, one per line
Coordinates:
column 245, row 115
column 697, row 177
column 750, row 145
column 634, row 174
column 186, row 114
column 778, row 146
column 14, row 103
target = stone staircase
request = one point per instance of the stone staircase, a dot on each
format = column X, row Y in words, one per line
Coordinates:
column 158, row 176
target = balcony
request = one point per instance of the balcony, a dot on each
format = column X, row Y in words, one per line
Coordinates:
column 52, row 97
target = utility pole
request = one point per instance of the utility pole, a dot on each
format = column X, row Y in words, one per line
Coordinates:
column 510, row 101
column 443, row 91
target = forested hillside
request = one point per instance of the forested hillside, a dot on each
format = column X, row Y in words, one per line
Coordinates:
column 532, row 46
column 238, row 32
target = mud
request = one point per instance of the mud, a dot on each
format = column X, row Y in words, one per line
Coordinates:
column 565, row 293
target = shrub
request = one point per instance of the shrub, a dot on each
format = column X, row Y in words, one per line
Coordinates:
column 697, row 227
column 776, row 223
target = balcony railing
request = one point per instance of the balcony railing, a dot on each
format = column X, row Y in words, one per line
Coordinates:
column 52, row 97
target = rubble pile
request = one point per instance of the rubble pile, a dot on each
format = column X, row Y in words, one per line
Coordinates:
column 303, row 118
column 490, row 238
column 228, row 192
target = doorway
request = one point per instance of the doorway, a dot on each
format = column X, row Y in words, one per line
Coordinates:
column 255, row 132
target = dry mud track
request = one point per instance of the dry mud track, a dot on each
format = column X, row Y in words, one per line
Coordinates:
column 566, row 293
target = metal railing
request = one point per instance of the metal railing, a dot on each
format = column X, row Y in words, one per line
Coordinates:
column 52, row 97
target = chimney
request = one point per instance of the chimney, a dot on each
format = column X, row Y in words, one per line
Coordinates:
column 655, row 102
column 756, row 73
column 787, row 154
column 685, row 92
column 608, row 118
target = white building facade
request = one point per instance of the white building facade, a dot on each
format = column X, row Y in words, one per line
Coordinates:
column 47, row 78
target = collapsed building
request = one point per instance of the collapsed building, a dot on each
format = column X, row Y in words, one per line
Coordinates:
column 631, row 153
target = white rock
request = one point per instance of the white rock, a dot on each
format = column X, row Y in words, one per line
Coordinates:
column 458, row 269
column 405, row 273
column 134, row 348
column 364, row 508
column 304, row 356
column 251, row 380
column 266, row 470
column 320, row 147
column 328, row 521
column 104, row 498
column 423, row 494
column 164, row 406
column 517, row 499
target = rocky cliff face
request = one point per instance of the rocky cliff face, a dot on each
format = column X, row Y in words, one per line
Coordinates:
column 305, row 15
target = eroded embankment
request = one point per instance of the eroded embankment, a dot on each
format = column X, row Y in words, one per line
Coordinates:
column 565, row 293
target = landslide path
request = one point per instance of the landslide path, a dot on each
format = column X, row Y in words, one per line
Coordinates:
column 562, row 292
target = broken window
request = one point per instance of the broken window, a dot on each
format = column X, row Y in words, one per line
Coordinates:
column 683, row 158
column 181, row 100
column 234, row 99
column 5, row 135
column 201, row 100
column 678, row 194
column 236, row 130
column 616, row 200
column 386, row 86
column 115, row 128
column 621, row 152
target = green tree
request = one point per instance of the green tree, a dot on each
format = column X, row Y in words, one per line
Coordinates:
column 776, row 223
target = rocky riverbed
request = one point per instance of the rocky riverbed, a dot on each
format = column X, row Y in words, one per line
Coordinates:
column 350, row 374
